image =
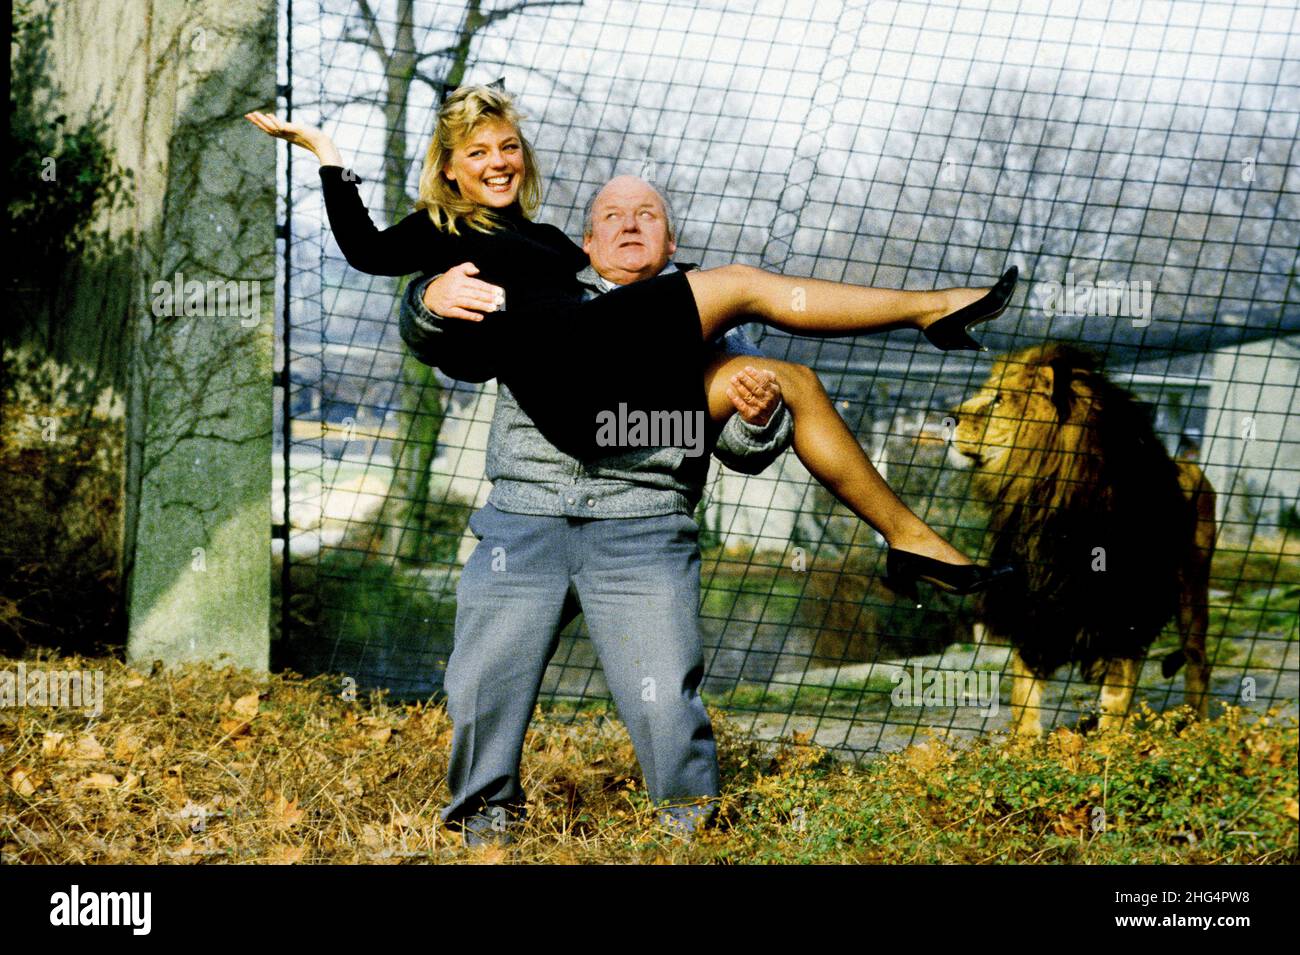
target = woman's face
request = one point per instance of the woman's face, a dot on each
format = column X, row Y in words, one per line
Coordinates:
column 489, row 165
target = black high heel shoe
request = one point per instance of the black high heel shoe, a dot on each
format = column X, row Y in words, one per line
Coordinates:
column 949, row 332
column 904, row 568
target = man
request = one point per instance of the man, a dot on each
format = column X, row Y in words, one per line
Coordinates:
column 614, row 536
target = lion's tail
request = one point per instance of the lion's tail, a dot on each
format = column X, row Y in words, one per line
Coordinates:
column 1172, row 663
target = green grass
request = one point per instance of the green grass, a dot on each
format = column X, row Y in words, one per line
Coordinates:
column 846, row 697
column 570, row 706
column 1165, row 792
column 1269, row 610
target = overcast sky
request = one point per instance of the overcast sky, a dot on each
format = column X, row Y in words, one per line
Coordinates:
column 903, row 144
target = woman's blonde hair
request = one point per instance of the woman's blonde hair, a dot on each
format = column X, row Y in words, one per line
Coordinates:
column 463, row 112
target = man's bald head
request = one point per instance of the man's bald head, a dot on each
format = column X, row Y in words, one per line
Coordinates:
column 628, row 233
column 627, row 180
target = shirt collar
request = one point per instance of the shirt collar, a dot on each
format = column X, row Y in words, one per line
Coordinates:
column 589, row 276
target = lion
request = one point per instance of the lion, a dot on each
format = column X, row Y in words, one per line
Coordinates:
column 1111, row 536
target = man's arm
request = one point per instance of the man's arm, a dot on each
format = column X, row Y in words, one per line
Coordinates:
column 459, row 298
column 750, row 448
column 419, row 327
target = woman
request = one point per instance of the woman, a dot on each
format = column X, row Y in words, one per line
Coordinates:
column 566, row 359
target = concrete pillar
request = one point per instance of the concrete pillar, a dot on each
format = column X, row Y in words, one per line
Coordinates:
column 174, row 79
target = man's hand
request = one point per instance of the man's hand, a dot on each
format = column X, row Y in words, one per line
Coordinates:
column 756, row 394
column 457, row 294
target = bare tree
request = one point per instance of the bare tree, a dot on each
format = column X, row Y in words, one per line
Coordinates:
column 1095, row 184
column 421, row 412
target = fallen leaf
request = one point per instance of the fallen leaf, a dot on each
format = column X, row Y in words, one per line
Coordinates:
column 234, row 727
column 127, row 744
column 1072, row 822
column 286, row 855
column 100, row 781
column 1066, row 741
column 372, row 836
column 285, row 812
column 173, row 785
column 88, row 748
column 24, row 782
column 52, row 744
column 1292, row 808
column 246, row 706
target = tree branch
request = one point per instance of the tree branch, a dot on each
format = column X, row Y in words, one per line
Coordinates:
column 376, row 39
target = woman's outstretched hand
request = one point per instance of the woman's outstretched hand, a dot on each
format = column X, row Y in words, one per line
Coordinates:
column 457, row 294
column 308, row 137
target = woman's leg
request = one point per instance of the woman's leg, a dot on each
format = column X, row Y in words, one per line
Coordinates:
column 829, row 451
column 556, row 353
column 734, row 294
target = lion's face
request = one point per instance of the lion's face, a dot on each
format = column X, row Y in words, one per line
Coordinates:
column 1013, row 416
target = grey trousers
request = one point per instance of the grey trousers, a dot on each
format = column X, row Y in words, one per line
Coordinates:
column 637, row 581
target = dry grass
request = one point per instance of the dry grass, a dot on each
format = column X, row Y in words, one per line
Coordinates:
column 203, row 765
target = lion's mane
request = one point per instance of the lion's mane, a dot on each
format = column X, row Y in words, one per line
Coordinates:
column 1086, row 485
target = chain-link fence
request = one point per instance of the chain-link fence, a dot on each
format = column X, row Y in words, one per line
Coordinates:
column 1135, row 160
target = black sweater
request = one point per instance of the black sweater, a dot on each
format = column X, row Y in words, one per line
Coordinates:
column 522, row 253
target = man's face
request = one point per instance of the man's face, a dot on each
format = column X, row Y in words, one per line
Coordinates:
column 628, row 240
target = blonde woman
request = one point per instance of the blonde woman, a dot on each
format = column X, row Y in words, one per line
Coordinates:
column 645, row 344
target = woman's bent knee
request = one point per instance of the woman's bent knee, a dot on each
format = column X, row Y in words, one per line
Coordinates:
column 793, row 378
column 805, row 377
